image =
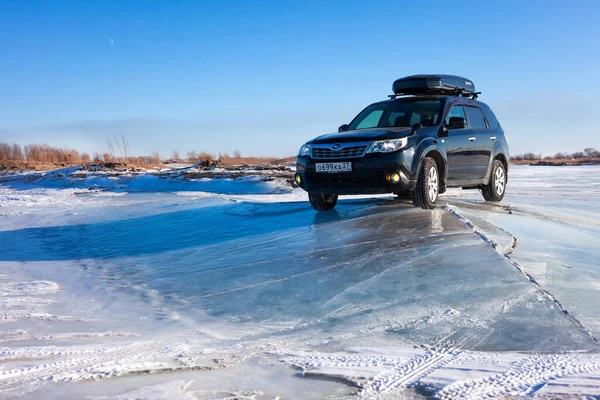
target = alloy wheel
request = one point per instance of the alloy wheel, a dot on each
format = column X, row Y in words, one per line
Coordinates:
column 499, row 182
column 433, row 184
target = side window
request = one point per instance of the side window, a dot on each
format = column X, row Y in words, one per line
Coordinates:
column 395, row 120
column 475, row 118
column 491, row 118
column 415, row 119
column 371, row 120
column 455, row 111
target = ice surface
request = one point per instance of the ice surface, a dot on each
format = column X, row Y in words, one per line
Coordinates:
column 213, row 283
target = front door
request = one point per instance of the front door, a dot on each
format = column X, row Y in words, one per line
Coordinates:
column 459, row 150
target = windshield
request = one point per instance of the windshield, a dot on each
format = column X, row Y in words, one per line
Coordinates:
column 399, row 113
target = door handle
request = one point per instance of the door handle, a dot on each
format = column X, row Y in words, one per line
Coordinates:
column 493, row 137
column 472, row 139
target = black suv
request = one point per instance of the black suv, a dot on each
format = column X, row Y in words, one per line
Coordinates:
column 430, row 135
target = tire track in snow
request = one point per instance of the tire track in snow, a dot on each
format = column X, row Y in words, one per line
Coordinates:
column 479, row 232
column 393, row 373
column 407, row 374
column 524, row 378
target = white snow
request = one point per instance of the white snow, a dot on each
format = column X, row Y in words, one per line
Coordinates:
column 235, row 288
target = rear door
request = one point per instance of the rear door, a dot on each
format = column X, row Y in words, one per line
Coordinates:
column 459, row 150
column 492, row 135
column 482, row 145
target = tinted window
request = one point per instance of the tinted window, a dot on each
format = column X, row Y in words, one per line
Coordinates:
column 491, row 118
column 391, row 119
column 399, row 113
column 475, row 118
column 371, row 120
column 455, row 111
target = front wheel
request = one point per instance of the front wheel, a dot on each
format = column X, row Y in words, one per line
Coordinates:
column 496, row 187
column 427, row 190
column 322, row 202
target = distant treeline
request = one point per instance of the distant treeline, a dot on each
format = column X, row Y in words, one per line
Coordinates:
column 118, row 151
column 42, row 153
column 586, row 153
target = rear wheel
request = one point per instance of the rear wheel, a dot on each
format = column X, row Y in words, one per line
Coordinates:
column 322, row 202
column 427, row 190
column 496, row 187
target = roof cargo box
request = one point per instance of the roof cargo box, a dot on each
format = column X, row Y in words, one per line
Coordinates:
column 434, row 84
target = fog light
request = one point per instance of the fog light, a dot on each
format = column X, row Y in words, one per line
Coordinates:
column 298, row 179
column 394, row 177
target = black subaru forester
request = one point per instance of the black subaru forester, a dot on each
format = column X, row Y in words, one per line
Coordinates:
column 430, row 135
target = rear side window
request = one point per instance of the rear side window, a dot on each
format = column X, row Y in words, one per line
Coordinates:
column 491, row 118
column 475, row 118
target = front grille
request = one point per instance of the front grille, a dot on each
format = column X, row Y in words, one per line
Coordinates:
column 326, row 153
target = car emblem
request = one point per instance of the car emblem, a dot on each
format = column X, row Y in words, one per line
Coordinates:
column 336, row 147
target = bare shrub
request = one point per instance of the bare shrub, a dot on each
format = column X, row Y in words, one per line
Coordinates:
column 237, row 154
column 119, row 150
column 111, row 152
column 254, row 160
column 5, row 152
column 591, row 152
column 175, row 155
column 72, row 157
column 193, row 156
column 12, row 152
column 205, row 156
column 561, row 156
column 45, row 154
column 17, row 152
column 85, row 158
column 155, row 157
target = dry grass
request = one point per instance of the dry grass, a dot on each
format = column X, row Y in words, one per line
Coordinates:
column 41, row 156
column 8, row 152
column 253, row 160
column 40, row 153
column 193, row 156
column 567, row 161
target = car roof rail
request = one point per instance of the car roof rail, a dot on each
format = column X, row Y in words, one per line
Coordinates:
column 457, row 92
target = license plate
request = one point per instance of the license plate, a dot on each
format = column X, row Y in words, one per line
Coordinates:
column 334, row 167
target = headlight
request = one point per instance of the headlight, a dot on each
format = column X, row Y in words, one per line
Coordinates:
column 387, row 146
column 304, row 150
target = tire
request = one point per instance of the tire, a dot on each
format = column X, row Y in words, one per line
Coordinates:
column 496, row 187
column 322, row 202
column 427, row 191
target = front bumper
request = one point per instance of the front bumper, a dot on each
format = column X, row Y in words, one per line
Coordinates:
column 368, row 174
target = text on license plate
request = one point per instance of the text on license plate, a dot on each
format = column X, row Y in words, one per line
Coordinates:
column 334, row 167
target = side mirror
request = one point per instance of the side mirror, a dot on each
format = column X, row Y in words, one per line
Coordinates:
column 457, row 123
column 443, row 132
column 415, row 128
column 343, row 128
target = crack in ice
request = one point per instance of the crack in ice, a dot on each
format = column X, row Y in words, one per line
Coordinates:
column 483, row 236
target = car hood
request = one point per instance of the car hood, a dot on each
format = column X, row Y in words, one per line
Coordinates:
column 363, row 135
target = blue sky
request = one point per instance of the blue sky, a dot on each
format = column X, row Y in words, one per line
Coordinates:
column 266, row 76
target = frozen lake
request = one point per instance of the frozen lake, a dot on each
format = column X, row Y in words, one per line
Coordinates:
column 219, row 288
